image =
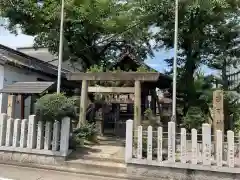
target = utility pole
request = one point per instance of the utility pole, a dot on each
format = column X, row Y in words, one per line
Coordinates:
column 175, row 63
column 60, row 51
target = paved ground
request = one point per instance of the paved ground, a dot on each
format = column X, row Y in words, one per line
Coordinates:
column 107, row 148
column 21, row 173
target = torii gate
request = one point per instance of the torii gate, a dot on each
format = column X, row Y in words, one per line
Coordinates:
column 137, row 77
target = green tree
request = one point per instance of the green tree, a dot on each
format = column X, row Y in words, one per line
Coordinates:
column 199, row 111
column 95, row 31
column 199, row 23
column 226, row 56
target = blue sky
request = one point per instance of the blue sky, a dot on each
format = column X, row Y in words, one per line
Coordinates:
column 13, row 41
column 21, row 40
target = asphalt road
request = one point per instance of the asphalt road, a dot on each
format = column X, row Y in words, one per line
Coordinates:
column 20, row 173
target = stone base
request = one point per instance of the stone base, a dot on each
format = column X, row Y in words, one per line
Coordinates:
column 6, row 157
column 99, row 126
column 146, row 172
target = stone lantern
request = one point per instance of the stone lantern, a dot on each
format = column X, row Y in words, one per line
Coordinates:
column 99, row 121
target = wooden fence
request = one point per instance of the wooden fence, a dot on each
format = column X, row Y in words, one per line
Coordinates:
column 32, row 136
column 182, row 150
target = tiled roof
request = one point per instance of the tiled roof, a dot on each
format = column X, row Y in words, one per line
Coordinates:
column 16, row 58
column 27, row 87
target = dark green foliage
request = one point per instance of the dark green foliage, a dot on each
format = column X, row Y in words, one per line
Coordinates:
column 95, row 31
column 148, row 114
column 233, row 110
column 86, row 131
column 55, row 106
column 194, row 118
column 202, row 103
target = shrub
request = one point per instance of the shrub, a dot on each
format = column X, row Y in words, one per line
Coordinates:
column 86, row 131
column 51, row 107
column 194, row 118
column 148, row 114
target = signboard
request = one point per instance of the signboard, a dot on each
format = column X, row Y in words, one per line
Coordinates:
column 218, row 115
column 122, row 99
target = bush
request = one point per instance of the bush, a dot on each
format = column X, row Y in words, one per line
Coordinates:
column 55, row 106
column 194, row 118
column 86, row 131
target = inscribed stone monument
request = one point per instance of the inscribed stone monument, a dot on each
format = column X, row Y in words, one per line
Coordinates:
column 218, row 115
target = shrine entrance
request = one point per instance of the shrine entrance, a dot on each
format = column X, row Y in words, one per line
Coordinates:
column 114, row 112
column 124, row 101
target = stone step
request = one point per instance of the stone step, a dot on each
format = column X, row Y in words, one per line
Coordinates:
column 101, row 163
column 102, row 159
column 98, row 168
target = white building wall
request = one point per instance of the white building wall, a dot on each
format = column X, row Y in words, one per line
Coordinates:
column 1, row 84
column 12, row 75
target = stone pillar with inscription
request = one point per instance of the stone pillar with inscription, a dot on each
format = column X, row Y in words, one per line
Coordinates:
column 171, row 142
column 206, row 144
column 218, row 114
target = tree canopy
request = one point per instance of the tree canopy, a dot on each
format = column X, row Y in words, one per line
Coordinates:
column 95, row 31
column 204, row 34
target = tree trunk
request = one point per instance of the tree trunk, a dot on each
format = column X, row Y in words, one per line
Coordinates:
column 227, row 123
column 188, row 78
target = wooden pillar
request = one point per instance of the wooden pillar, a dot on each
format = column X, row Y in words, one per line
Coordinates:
column 154, row 110
column 11, row 106
column 146, row 102
column 83, row 103
column 117, row 119
column 22, row 105
column 153, row 102
column 128, row 105
column 143, row 101
column 32, row 104
column 117, row 110
column 137, row 104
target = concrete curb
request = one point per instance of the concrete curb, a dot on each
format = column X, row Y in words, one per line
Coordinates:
column 103, row 159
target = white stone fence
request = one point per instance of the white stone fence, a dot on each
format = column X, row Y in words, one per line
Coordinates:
column 187, row 153
column 34, row 137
